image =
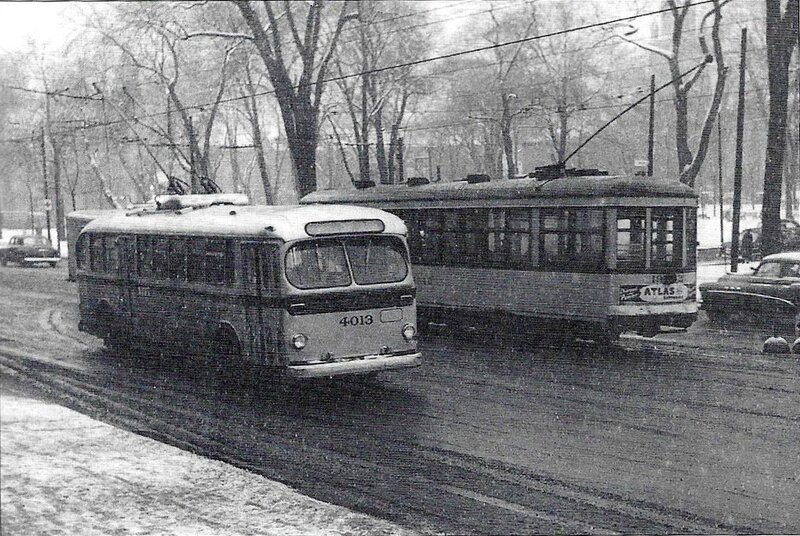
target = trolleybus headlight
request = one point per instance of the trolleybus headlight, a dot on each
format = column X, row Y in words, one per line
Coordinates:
column 299, row 341
column 408, row 332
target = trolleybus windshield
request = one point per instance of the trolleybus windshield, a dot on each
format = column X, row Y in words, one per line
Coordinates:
column 327, row 263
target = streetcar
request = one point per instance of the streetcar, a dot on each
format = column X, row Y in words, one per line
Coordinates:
column 309, row 291
column 592, row 255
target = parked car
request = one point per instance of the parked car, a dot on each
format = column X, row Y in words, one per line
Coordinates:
column 750, row 241
column 27, row 250
column 771, row 291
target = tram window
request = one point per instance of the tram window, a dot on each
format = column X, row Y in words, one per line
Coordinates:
column 497, row 236
column 518, row 224
column 176, row 258
column 196, row 259
column 317, row 264
column 666, row 237
column 431, row 237
column 82, row 253
column 631, row 238
column 572, row 237
column 377, row 260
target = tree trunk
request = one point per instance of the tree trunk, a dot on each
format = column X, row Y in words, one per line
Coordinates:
column 781, row 37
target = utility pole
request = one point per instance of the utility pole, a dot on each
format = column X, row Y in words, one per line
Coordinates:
column 46, row 189
column 737, row 169
column 195, row 184
column 719, row 180
column 401, row 171
column 651, row 133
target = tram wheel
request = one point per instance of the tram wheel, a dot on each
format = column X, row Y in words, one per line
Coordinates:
column 113, row 337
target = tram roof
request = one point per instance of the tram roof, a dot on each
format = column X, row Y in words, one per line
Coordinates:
column 528, row 188
column 283, row 222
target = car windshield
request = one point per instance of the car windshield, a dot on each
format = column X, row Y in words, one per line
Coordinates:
column 769, row 269
column 324, row 263
column 30, row 241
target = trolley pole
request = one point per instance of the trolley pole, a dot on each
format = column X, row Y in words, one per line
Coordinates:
column 44, row 175
column 737, row 168
column 651, row 133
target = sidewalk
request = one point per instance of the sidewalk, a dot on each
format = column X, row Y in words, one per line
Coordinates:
column 64, row 473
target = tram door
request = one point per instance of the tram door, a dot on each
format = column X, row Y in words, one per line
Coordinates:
column 126, row 252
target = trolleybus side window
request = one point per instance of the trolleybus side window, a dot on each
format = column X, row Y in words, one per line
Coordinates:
column 144, row 256
column 377, row 260
column 196, row 259
column 431, row 237
column 82, row 247
column 111, row 253
column 631, row 238
column 216, row 262
column 97, row 256
column 317, row 264
column 176, row 259
column 158, row 245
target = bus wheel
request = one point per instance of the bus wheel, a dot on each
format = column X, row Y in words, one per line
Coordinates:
column 113, row 336
column 716, row 316
column 225, row 350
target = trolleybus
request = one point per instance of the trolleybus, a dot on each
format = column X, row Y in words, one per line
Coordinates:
column 314, row 291
column 594, row 255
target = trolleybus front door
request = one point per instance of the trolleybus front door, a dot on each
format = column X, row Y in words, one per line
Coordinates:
column 127, row 259
column 261, row 313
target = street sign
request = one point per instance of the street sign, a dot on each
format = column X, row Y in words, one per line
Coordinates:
column 47, row 204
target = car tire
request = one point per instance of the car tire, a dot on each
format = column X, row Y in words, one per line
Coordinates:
column 716, row 316
column 53, row 264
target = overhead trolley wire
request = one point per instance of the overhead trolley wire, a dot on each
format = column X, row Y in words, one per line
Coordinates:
column 397, row 66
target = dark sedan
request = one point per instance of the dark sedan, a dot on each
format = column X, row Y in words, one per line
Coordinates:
column 28, row 250
column 772, row 291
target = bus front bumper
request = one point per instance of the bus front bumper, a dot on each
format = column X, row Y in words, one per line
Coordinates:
column 359, row 365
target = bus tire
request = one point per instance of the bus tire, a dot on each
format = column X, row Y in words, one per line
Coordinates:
column 112, row 333
column 225, row 349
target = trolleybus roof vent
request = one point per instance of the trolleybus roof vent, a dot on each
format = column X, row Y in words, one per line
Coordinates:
column 417, row 181
column 475, row 178
column 360, row 185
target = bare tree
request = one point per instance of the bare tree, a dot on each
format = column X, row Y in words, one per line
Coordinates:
column 689, row 163
column 299, row 96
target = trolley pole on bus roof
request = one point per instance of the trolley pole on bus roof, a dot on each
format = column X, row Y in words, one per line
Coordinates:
column 737, row 168
column 651, row 133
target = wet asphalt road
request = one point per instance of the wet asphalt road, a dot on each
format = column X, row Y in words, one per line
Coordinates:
column 687, row 433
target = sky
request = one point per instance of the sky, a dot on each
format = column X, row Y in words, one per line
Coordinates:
column 49, row 24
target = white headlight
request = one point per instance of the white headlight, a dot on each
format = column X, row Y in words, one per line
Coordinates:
column 299, row 341
column 408, row 332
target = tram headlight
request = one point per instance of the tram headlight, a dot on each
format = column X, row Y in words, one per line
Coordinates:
column 299, row 341
column 408, row 332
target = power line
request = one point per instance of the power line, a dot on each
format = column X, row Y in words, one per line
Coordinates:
column 418, row 62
